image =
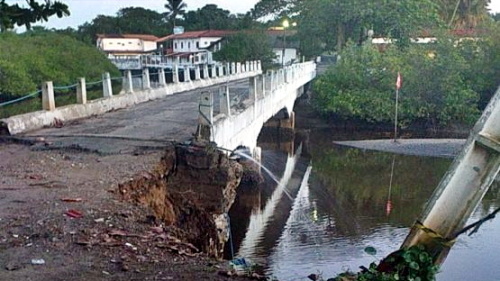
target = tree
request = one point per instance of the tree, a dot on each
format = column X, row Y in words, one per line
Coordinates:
column 463, row 14
column 11, row 15
column 127, row 20
column 175, row 8
column 247, row 46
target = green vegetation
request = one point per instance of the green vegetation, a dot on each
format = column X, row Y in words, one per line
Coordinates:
column 411, row 264
column 445, row 82
column 435, row 91
column 247, row 46
column 29, row 59
column 12, row 15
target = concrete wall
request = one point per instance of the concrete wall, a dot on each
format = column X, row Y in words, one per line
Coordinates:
column 36, row 120
column 244, row 128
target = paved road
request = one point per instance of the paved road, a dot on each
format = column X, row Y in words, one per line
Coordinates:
column 133, row 130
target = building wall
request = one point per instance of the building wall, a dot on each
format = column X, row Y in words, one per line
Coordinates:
column 290, row 56
column 125, row 44
column 191, row 45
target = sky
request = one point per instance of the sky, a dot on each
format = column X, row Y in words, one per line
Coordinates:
column 85, row 10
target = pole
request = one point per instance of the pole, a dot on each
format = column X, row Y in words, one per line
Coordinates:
column 284, row 46
column 396, row 116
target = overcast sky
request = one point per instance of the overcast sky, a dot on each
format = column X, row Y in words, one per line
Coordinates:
column 86, row 10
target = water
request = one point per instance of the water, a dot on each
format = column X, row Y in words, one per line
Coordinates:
column 343, row 201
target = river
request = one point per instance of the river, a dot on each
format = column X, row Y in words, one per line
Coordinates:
column 337, row 201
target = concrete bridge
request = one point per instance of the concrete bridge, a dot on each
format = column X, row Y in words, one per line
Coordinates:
column 246, row 99
column 269, row 93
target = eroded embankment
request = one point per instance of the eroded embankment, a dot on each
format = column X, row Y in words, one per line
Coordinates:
column 191, row 190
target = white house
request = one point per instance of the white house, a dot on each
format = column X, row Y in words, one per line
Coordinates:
column 284, row 46
column 115, row 45
column 192, row 47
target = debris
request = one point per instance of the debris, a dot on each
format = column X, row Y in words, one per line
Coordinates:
column 71, row 200
column 74, row 214
column 11, row 266
column 99, row 220
column 131, row 246
column 37, row 261
column 117, row 232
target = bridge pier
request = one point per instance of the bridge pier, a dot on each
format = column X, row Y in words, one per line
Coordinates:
column 146, row 83
column 107, row 90
column 205, row 71
column 81, row 91
column 128, row 86
column 197, row 74
column 187, row 75
column 48, row 100
column 161, row 77
column 175, row 73
column 225, row 106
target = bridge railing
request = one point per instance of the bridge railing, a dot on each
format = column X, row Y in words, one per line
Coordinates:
column 265, row 96
column 118, row 92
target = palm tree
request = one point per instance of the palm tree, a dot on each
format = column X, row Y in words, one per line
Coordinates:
column 175, row 8
column 462, row 14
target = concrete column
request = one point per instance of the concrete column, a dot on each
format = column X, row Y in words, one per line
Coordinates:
column 205, row 71
column 214, row 71
column 253, row 89
column 107, row 89
column 161, row 74
column 187, row 75
column 247, row 66
column 128, row 87
column 233, row 68
column 81, row 91
column 228, row 69
column 48, row 100
column 206, row 108
column 263, row 84
column 253, row 64
column 175, row 73
column 259, row 65
column 272, row 81
column 146, row 82
column 225, row 106
column 238, row 67
column 197, row 73
column 221, row 71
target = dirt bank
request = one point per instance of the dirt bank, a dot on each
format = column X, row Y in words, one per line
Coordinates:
column 61, row 218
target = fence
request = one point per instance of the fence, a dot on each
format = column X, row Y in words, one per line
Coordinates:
column 50, row 96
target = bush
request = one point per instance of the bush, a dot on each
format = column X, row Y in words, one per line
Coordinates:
column 29, row 59
column 437, row 84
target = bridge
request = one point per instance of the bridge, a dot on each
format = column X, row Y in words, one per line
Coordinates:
column 245, row 99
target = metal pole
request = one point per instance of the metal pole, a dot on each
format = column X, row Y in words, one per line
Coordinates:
column 284, row 50
column 396, row 117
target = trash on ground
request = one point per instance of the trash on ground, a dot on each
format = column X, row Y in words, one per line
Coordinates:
column 74, row 214
column 37, row 261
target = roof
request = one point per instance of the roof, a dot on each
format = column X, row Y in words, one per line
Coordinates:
column 147, row 37
column 197, row 34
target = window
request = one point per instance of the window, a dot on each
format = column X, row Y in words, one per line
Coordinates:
column 175, row 45
column 197, row 45
column 182, row 45
column 189, row 45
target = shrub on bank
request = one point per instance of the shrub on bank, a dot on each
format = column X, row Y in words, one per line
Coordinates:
column 447, row 82
column 29, row 59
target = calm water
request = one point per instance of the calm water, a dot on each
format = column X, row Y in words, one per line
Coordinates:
column 332, row 202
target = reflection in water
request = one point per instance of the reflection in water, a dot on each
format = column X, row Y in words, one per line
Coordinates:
column 349, row 200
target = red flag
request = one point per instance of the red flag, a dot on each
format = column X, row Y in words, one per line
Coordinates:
column 398, row 81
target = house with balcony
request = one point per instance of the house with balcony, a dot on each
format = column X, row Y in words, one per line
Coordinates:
column 192, row 47
column 126, row 44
